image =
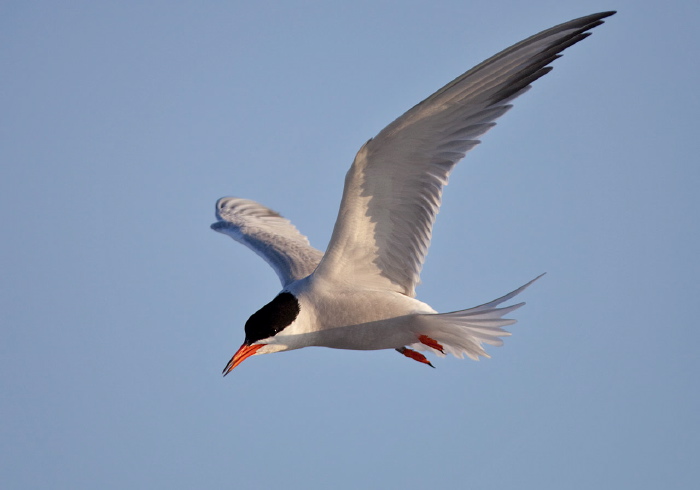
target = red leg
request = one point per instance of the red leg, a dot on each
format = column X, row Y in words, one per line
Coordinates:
column 416, row 356
column 424, row 339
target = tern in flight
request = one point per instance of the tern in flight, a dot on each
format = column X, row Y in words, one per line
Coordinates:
column 359, row 294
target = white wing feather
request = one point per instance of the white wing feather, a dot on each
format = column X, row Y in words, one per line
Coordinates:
column 269, row 235
column 393, row 189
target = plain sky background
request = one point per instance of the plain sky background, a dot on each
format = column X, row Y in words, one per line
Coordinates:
column 121, row 123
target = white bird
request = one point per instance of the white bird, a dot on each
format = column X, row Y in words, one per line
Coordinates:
column 360, row 293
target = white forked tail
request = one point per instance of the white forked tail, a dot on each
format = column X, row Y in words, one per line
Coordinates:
column 463, row 332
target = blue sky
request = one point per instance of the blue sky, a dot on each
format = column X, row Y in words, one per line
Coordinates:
column 123, row 122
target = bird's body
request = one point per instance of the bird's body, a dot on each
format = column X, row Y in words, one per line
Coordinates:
column 326, row 306
column 360, row 294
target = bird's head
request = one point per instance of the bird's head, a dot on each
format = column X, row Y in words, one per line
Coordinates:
column 262, row 326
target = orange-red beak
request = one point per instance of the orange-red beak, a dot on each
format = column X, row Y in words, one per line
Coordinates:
column 243, row 353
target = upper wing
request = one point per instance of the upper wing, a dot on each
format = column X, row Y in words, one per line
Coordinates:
column 269, row 235
column 393, row 188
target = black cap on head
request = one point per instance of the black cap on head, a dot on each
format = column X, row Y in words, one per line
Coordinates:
column 272, row 318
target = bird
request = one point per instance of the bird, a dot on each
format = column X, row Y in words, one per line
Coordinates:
column 360, row 293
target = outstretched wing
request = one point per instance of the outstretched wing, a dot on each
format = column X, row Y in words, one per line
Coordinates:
column 269, row 235
column 393, row 188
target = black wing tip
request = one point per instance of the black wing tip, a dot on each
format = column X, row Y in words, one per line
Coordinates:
column 581, row 25
column 607, row 13
column 592, row 20
column 539, row 65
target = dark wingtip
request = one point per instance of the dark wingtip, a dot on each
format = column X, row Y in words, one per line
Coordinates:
column 598, row 16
